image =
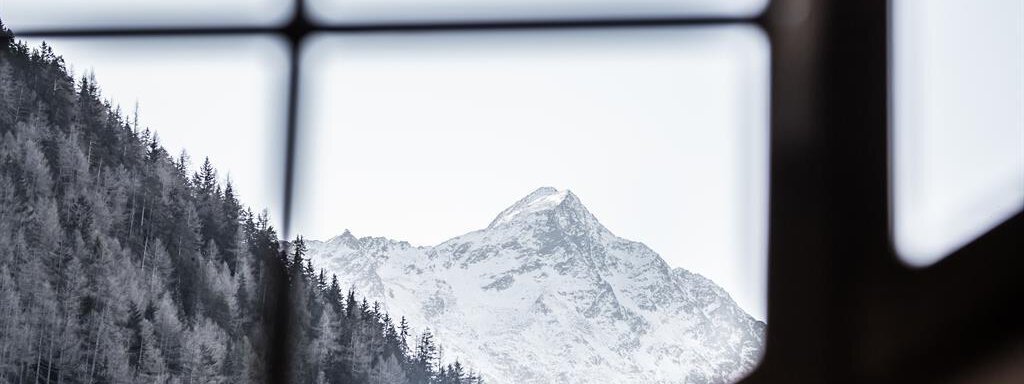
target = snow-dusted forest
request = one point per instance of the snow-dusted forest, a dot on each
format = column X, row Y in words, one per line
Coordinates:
column 122, row 263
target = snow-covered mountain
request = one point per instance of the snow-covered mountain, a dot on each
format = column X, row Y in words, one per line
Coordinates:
column 546, row 294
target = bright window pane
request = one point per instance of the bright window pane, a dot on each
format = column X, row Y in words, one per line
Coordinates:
column 398, row 11
column 107, row 236
column 651, row 135
column 958, row 122
column 230, row 92
column 21, row 15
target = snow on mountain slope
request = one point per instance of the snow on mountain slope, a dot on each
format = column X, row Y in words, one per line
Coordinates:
column 547, row 294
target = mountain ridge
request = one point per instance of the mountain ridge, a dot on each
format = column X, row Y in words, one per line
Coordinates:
column 547, row 293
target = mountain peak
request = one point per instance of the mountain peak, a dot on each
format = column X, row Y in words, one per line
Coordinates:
column 345, row 238
column 545, row 191
column 347, row 235
column 547, row 271
column 542, row 199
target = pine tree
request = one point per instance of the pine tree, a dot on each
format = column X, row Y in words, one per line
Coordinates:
column 403, row 336
column 390, row 371
column 425, row 359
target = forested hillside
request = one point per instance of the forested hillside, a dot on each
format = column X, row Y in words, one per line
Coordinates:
column 119, row 264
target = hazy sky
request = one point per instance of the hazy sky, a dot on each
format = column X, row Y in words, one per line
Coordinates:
column 662, row 133
column 220, row 97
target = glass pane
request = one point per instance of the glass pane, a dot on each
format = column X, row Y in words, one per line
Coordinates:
column 957, row 123
column 222, row 98
column 24, row 15
column 418, row 11
column 495, row 188
column 121, row 262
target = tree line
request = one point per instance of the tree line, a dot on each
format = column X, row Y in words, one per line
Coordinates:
column 119, row 264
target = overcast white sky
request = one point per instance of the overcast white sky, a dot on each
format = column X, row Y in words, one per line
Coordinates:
column 217, row 97
column 662, row 133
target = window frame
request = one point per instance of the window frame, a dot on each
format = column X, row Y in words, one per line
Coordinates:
column 843, row 308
